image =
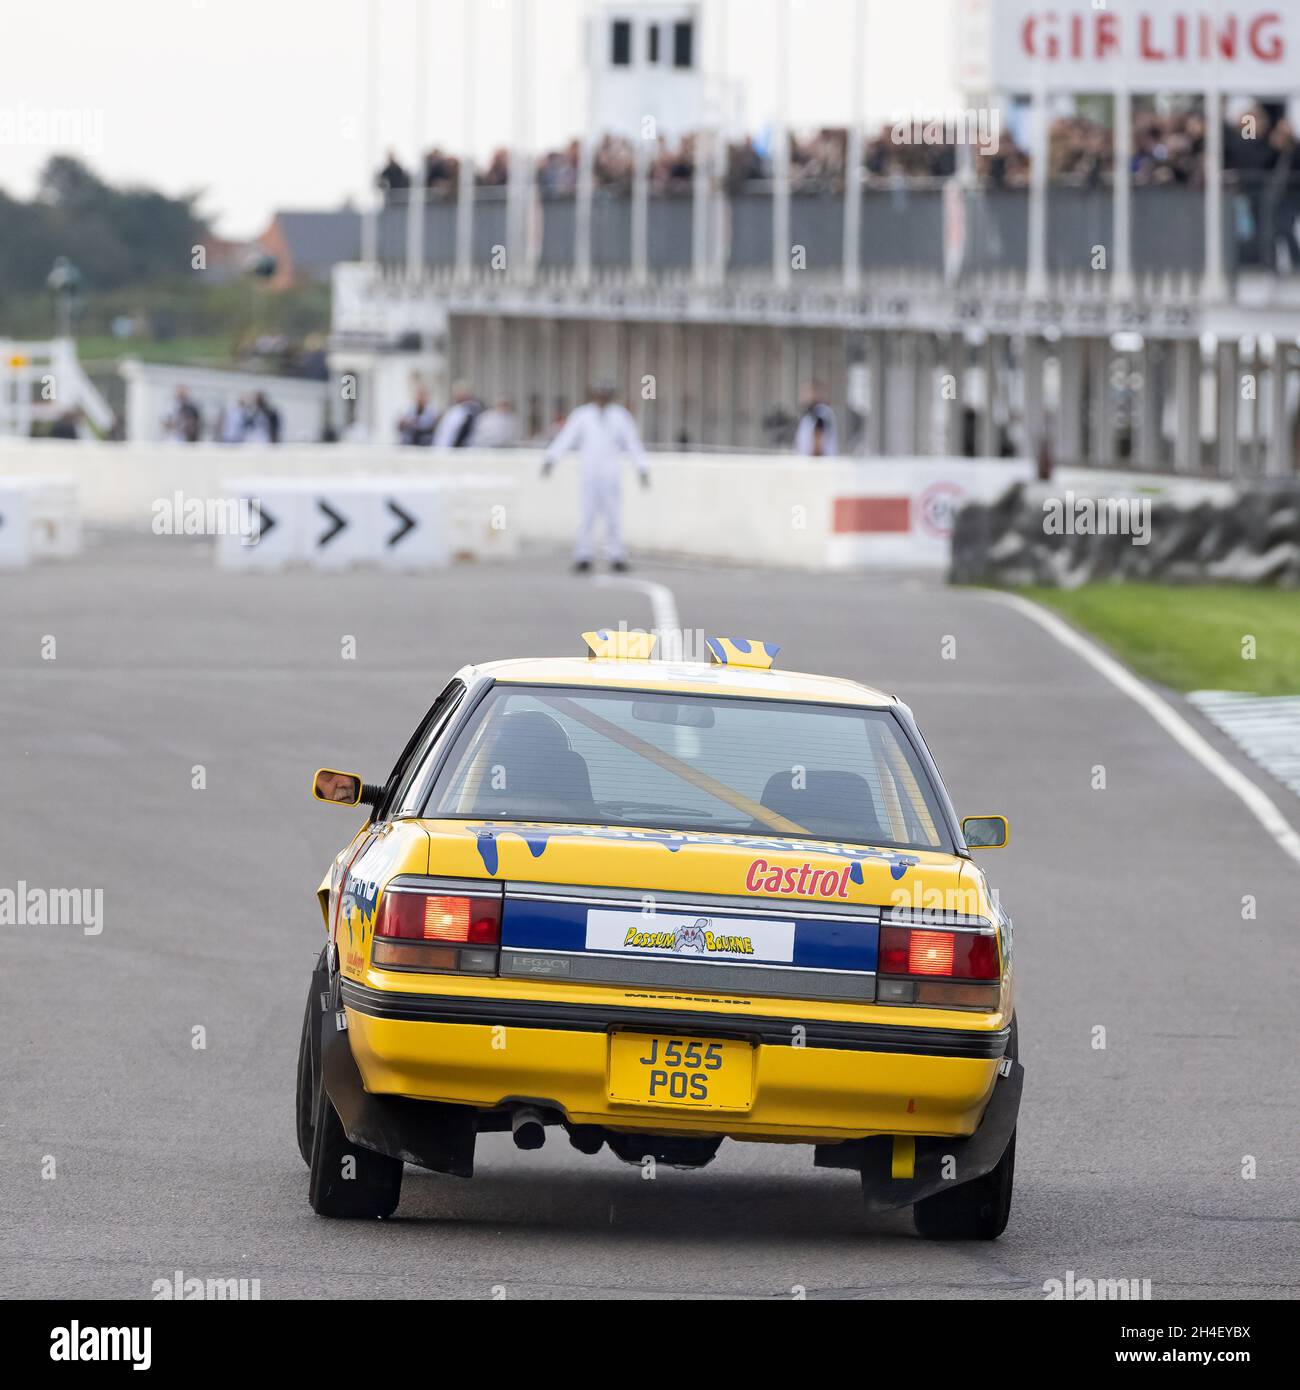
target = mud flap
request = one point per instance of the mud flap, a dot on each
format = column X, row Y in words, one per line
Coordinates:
column 972, row 1157
column 321, row 994
column 423, row 1132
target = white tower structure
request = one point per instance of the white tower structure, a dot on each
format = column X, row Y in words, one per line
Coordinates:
column 644, row 61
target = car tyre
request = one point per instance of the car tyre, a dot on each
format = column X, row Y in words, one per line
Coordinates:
column 976, row 1210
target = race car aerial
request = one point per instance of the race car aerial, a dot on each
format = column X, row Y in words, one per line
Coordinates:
column 656, row 905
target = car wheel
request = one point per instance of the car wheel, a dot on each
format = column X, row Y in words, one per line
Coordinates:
column 976, row 1210
column 303, row 1098
column 347, row 1180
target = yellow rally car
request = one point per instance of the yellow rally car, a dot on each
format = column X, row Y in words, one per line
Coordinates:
column 656, row 905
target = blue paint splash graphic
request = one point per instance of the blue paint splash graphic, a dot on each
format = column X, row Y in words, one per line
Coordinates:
column 360, row 899
column 538, row 837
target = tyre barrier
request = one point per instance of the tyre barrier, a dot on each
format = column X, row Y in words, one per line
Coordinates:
column 401, row 522
column 40, row 518
column 1038, row 535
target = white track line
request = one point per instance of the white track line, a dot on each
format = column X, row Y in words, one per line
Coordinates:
column 663, row 604
column 1260, row 805
column 663, row 610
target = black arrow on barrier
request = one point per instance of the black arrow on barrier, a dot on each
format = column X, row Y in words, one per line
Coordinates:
column 407, row 520
column 340, row 522
column 265, row 525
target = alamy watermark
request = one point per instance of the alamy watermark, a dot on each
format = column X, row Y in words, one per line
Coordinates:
column 1075, row 1289
column 53, row 907
column 179, row 515
column 53, row 127
column 675, row 644
column 178, row 1288
column 1098, row 516
column 979, row 126
column 74, row 1342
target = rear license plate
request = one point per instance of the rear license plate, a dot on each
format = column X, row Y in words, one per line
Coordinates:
column 697, row 1073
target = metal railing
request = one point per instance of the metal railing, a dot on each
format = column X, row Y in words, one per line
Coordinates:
column 902, row 227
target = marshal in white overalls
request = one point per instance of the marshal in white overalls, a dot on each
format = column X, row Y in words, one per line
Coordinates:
column 601, row 432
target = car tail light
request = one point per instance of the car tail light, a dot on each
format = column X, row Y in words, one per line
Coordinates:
column 427, row 931
column 923, row 965
column 407, row 916
column 929, row 952
column 954, row 955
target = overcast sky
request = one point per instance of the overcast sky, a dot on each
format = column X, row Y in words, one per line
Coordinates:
column 261, row 102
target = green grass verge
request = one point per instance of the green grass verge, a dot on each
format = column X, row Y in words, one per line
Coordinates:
column 212, row 350
column 1192, row 638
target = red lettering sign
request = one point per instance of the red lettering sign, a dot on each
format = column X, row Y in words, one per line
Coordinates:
column 804, row 881
column 1155, row 38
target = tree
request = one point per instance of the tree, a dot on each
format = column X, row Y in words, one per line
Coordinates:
column 116, row 236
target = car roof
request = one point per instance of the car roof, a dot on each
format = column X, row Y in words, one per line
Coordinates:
column 682, row 677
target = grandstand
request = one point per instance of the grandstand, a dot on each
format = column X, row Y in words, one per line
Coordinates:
column 1120, row 289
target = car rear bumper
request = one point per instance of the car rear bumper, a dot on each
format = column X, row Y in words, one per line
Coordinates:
column 815, row 1080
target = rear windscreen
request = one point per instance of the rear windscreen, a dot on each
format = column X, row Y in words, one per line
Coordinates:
column 690, row 763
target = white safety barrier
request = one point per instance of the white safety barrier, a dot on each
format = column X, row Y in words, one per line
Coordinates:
column 762, row 509
column 15, row 550
column 901, row 513
column 39, row 518
column 400, row 521
column 151, row 398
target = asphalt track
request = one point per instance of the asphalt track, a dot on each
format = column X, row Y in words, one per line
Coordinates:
column 1128, row 906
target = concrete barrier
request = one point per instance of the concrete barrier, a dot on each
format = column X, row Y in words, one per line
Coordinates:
column 15, row 551
column 39, row 518
column 761, row 509
column 398, row 521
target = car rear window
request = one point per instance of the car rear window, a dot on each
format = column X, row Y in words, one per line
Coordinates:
column 689, row 763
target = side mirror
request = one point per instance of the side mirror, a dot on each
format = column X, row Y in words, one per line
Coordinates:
column 340, row 788
column 986, row 832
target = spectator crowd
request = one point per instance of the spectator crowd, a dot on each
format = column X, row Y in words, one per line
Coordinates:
column 1168, row 148
column 249, row 419
column 1261, row 155
column 466, row 422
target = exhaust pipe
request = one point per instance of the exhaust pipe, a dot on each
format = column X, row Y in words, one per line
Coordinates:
column 587, row 1139
column 529, row 1127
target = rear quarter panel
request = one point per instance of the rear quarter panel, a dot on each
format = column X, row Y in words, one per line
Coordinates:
column 379, row 853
